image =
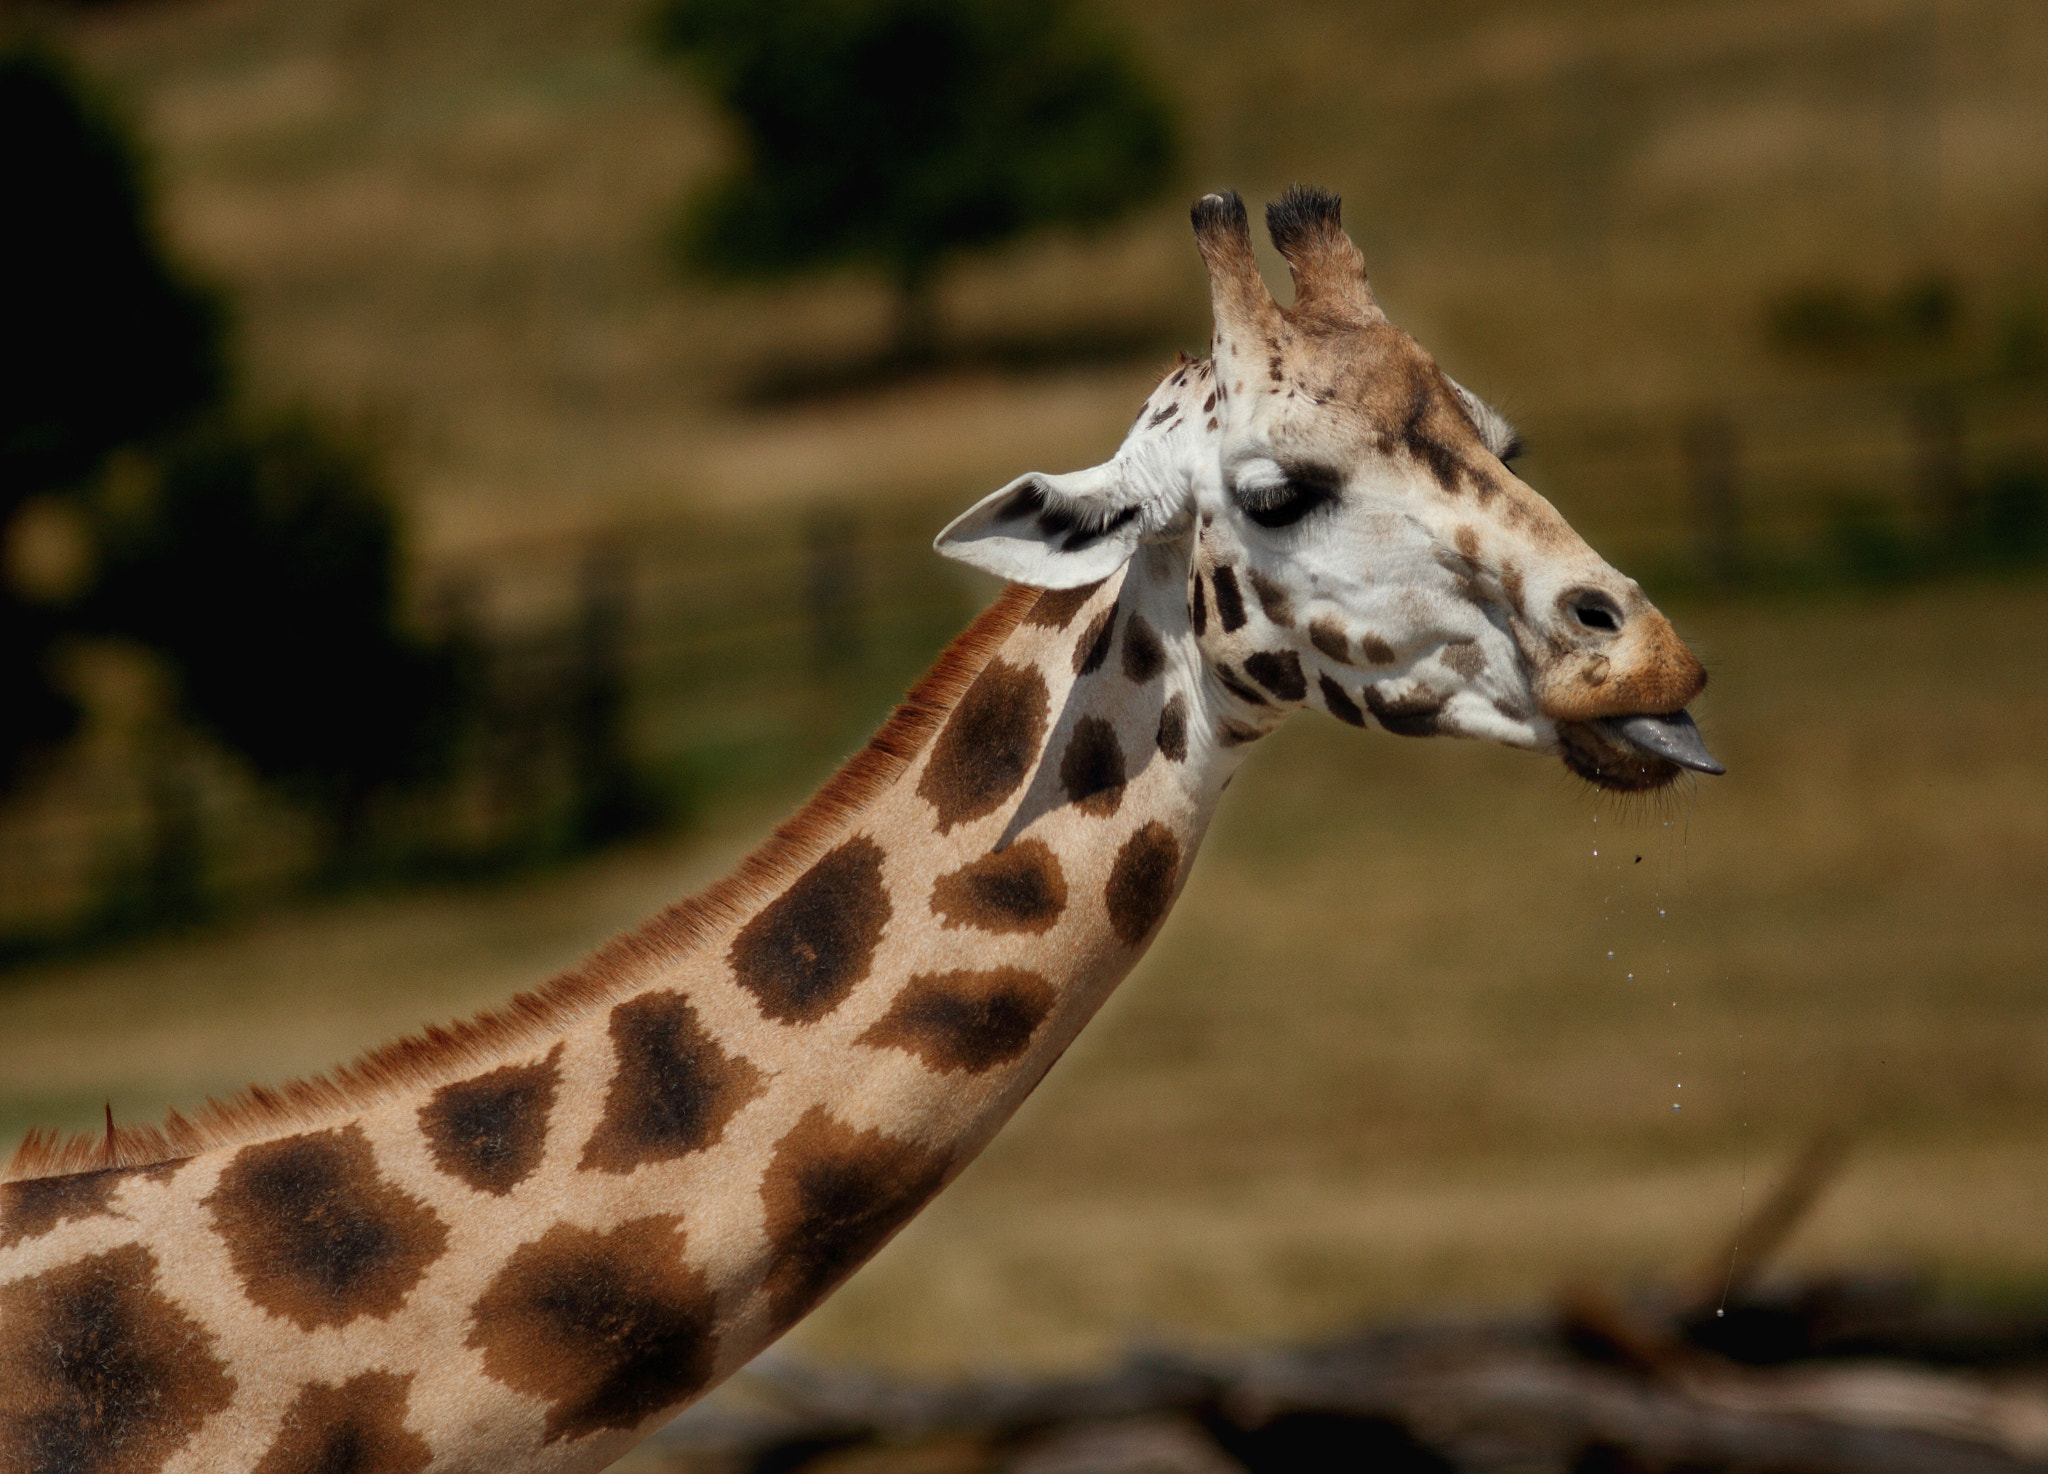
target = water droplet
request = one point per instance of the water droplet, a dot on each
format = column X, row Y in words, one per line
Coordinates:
column 1674, row 1105
column 1596, row 854
column 1719, row 1313
column 1660, row 910
column 1631, row 977
column 1610, row 954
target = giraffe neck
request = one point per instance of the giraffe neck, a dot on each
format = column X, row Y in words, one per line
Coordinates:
column 530, row 1262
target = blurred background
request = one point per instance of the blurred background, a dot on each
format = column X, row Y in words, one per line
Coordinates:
column 467, row 468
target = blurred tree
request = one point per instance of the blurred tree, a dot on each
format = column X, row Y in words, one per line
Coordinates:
column 896, row 133
column 266, row 573
column 105, row 344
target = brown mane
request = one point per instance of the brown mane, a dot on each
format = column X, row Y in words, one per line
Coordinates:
column 420, row 1061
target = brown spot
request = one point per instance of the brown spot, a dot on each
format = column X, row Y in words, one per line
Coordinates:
column 1209, row 403
column 1341, row 705
column 100, row 1372
column 1056, row 608
column 1020, row 889
column 356, row 1428
column 1378, row 651
column 1212, row 423
column 1279, row 671
column 1511, row 585
column 1093, row 648
column 970, row 1021
column 1173, row 730
column 1236, row 734
column 33, row 1206
column 1092, row 769
column 988, row 744
column 1144, row 652
column 834, row 1195
column 1419, row 436
column 1141, row 882
column 673, row 1091
column 1273, row 599
column 1328, row 636
column 1239, row 687
column 1229, row 602
column 1467, row 541
column 489, row 1131
column 804, row 953
column 1406, row 716
column 1464, row 656
column 607, row 1328
column 316, row 1234
column 1198, row 605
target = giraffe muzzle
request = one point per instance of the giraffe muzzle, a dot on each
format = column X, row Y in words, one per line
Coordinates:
column 1675, row 738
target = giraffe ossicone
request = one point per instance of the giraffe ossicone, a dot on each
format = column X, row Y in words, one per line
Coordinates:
column 523, row 1241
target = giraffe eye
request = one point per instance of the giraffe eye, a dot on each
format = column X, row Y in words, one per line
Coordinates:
column 1301, row 490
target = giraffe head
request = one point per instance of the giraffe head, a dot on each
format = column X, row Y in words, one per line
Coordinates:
column 1352, row 534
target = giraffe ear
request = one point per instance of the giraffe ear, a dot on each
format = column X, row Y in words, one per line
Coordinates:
column 1052, row 532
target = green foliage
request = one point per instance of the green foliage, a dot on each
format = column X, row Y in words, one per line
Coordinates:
column 105, row 344
column 265, row 574
column 893, row 133
column 263, row 569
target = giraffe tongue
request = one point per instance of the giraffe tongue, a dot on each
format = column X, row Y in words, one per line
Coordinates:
column 1673, row 738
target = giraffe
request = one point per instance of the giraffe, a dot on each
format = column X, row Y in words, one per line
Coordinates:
column 523, row 1241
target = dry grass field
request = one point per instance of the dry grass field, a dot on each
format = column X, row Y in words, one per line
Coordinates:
column 447, row 220
column 1416, row 1034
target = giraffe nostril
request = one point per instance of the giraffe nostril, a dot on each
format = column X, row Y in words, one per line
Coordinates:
column 1596, row 615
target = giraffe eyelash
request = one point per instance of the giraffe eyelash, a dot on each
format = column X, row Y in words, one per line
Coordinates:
column 1300, row 491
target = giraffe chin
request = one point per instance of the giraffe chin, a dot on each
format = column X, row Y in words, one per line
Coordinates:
column 1635, row 754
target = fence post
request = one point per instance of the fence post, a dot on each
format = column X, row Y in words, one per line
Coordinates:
column 173, row 880
column 1939, row 479
column 1711, row 450
column 832, row 592
column 606, row 794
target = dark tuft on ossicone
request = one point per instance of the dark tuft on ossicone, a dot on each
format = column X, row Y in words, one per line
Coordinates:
column 1220, row 214
column 1303, row 214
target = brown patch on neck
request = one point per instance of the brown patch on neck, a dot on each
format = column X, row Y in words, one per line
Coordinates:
column 672, row 1090
column 317, row 1235
column 1092, row 769
column 422, row 1062
column 606, row 1328
column 965, row 1020
column 99, row 1370
column 30, row 1209
column 357, row 1427
column 834, row 1194
column 988, row 745
column 489, row 1132
column 1141, row 882
column 1019, row 889
column 1056, row 608
column 811, row 945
